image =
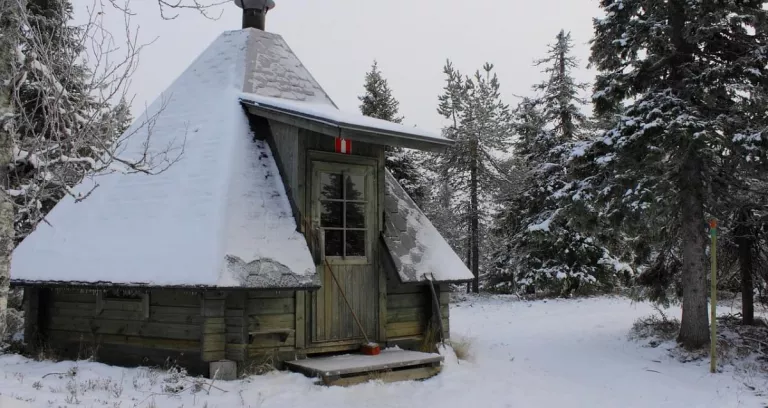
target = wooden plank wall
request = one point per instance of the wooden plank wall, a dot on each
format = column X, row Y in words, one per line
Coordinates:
column 267, row 311
column 445, row 308
column 213, row 326
column 285, row 142
column 409, row 308
column 119, row 332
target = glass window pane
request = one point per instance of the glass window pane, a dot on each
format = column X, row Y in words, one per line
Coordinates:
column 330, row 186
column 355, row 215
column 355, row 187
column 333, row 242
column 355, row 243
column 331, row 214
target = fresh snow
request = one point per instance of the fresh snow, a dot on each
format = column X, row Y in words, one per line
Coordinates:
column 333, row 116
column 544, row 354
column 219, row 216
column 543, row 225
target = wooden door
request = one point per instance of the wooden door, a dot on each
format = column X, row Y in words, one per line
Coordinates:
column 344, row 202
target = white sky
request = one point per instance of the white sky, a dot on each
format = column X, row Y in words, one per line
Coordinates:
column 338, row 39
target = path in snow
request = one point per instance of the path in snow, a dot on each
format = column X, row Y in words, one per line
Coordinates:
column 561, row 353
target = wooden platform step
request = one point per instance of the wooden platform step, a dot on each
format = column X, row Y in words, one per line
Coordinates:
column 389, row 366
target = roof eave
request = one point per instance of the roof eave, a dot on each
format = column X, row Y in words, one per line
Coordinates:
column 106, row 285
column 346, row 130
column 438, row 281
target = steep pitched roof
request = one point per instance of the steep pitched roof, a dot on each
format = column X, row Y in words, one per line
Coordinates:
column 417, row 249
column 218, row 217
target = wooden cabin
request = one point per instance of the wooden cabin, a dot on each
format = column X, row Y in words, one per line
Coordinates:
column 276, row 207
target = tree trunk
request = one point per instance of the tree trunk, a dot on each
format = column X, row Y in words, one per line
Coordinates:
column 565, row 115
column 694, row 327
column 474, row 216
column 469, row 250
column 744, row 242
column 9, row 32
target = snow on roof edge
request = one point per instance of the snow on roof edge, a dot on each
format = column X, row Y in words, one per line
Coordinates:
column 334, row 117
column 139, row 285
column 416, row 248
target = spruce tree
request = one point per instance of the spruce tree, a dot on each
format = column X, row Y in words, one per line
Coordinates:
column 561, row 99
column 378, row 102
column 682, row 71
column 545, row 247
column 481, row 127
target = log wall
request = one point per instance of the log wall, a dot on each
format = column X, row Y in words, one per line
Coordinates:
column 82, row 324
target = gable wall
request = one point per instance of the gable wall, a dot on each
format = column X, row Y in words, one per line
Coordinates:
column 291, row 146
column 285, row 142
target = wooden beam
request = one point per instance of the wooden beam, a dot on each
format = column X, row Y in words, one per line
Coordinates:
column 411, row 374
column 334, row 366
column 301, row 323
column 381, row 270
column 299, row 122
column 349, row 132
column 31, row 318
column 214, row 327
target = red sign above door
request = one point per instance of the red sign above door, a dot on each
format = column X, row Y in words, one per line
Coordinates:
column 343, row 146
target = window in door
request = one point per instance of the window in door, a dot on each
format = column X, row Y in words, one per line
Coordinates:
column 343, row 205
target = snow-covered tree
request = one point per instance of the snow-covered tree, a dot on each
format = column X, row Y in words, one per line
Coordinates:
column 11, row 12
column 544, row 247
column 481, row 127
column 37, row 81
column 560, row 95
column 441, row 196
column 61, row 126
column 378, row 102
column 683, row 72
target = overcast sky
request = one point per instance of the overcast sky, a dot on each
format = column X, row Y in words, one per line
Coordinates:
column 337, row 40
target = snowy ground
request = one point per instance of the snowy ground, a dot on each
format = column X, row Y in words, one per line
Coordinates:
column 558, row 353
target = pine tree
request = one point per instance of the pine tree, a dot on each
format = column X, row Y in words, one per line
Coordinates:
column 683, row 70
column 378, row 102
column 481, row 127
column 441, row 197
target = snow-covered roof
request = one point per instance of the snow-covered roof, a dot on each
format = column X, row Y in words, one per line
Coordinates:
column 417, row 249
column 219, row 217
column 330, row 115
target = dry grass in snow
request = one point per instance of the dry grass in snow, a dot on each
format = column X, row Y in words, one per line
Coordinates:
column 554, row 353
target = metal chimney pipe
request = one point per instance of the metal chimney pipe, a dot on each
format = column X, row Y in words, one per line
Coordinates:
column 255, row 12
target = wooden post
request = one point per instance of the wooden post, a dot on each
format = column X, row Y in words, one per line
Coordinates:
column 436, row 305
column 31, row 318
column 301, row 323
column 713, row 298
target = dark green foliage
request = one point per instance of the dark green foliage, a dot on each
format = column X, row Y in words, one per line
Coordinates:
column 62, row 128
column 378, row 102
column 687, row 75
column 547, row 245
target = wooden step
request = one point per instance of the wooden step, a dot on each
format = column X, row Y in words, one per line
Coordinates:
column 389, row 366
